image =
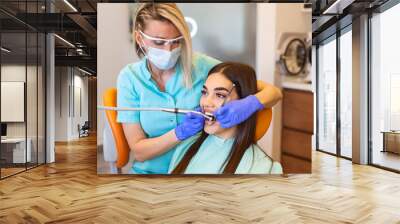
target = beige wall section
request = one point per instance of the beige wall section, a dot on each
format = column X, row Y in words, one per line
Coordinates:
column 113, row 44
column 265, row 68
column 272, row 21
column 300, row 22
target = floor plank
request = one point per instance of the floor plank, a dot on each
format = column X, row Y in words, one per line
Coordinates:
column 70, row 191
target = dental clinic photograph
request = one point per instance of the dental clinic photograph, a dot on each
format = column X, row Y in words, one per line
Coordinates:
column 184, row 93
column 258, row 111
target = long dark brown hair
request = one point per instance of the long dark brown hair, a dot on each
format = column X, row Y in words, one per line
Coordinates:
column 244, row 78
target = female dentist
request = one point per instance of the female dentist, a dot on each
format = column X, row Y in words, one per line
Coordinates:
column 170, row 75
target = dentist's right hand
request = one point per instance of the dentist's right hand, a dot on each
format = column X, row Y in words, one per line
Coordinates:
column 191, row 125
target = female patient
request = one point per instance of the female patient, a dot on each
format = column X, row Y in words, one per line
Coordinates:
column 224, row 150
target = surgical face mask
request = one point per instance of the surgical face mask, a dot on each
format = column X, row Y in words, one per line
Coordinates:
column 163, row 59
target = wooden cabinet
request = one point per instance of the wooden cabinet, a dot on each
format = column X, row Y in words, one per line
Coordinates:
column 391, row 141
column 297, row 130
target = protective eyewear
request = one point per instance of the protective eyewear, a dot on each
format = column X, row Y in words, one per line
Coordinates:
column 162, row 42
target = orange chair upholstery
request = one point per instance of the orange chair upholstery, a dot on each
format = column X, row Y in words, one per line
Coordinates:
column 122, row 147
column 264, row 118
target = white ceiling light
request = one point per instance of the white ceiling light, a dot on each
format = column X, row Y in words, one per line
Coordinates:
column 86, row 72
column 65, row 41
column 5, row 50
column 337, row 7
column 70, row 5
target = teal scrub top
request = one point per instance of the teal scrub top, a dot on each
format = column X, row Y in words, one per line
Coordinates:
column 136, row 88
column 212, row 154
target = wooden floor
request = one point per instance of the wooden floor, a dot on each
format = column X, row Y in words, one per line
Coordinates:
column 5, row 172
column 10, row 171
column 70, row 191
column 387, row 159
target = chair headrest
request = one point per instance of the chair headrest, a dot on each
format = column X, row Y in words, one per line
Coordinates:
column 264, row 118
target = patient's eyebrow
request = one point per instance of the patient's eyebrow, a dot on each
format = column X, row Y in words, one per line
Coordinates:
column 217, row 88
column 221, row 88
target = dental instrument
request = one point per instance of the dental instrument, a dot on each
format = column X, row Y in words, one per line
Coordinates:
column 206, row 115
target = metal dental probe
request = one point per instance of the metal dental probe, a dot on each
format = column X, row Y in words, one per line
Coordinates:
column 206, row 115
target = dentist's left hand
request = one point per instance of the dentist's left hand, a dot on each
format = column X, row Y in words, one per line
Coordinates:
column 237, row 111
column 191, row 125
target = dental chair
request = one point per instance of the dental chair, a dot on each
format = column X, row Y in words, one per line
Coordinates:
column 264, row 118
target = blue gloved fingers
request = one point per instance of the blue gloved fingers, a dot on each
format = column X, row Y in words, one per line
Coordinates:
column 198, row 108
column 237, row 111
column 194, row 116
column 197, row 121
column 197, row 127
column 222, row 113
column 224, row 116
column 227, row 122
column 191, row 125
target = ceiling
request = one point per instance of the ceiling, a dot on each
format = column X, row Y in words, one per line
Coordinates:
column 77, row 25
column 332, row 15
column 76, row 22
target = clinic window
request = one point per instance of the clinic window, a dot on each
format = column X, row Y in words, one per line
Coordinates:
column 385, row 89
column 345, row 95
column 334, row 103
column 326, row 138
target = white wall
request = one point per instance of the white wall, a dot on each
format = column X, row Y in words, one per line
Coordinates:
column 217, row 37
column 314, row 87
column 17, row 73
column 272, row 21
column 113, row 44
column 33, row 127
column 79, row 117
column 61, row 103
column 67, row 81
column 50, row 96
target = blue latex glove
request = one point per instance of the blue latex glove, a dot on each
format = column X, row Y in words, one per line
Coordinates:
column 192, row 123
column 237, row 111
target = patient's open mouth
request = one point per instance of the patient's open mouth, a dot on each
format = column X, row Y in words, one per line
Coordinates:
column 212, row 119
column 211, row 116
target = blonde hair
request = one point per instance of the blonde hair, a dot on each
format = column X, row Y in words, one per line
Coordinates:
column 171, row 13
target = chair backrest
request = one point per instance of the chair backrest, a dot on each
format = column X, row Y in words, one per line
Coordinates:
column 86, row 125
column 122, row 147
column 264, row 118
